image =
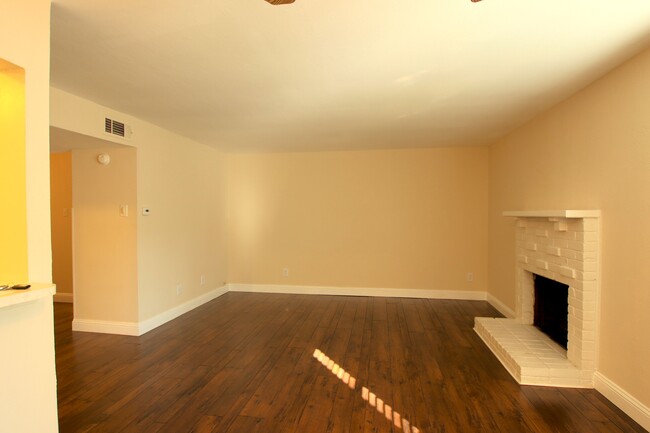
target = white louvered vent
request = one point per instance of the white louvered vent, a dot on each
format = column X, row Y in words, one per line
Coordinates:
column 114, row 127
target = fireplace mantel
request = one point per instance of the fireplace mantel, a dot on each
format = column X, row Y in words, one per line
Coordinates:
column 553, row 214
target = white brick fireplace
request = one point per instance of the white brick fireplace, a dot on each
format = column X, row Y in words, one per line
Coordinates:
column 562, row 246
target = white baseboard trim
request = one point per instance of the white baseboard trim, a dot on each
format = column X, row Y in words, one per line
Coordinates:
column 624, row 400
column 500, row 306
column 63, row 297
column 137, row 329
column 106, row 327
column 359, row 291
column 171, row 314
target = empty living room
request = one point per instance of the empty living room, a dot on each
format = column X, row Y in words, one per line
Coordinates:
column 324, row 216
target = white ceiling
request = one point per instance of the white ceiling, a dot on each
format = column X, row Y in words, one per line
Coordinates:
column 242, row 75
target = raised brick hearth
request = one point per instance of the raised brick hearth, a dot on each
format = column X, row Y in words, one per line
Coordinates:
column 562, row 246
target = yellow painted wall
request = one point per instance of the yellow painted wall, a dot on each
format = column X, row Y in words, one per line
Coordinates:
column 13, row 190
column 61, row 209
column 590, row 152
column 411, row 219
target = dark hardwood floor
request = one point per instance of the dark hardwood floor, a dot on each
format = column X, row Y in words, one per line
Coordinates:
column 244, row 363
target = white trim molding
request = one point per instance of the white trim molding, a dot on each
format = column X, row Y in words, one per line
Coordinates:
column 624, row 400
column 553, row 214
column 359, row 291
column 63, row 297
column 142, row 327
column 172, row 313
column 106, row 327
column 500, row 306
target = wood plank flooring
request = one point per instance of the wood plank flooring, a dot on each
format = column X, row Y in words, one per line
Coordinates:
column 244, row 363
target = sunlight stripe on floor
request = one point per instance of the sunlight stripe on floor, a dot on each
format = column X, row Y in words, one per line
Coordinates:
column 368, row 396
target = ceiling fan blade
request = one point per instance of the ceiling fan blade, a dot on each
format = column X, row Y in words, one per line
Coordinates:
column 280, row 2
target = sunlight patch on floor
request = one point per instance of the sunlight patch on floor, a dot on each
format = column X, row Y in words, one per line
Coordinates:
column 371, row 398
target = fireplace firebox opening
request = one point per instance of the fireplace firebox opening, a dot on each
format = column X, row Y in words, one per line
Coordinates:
column 551, row 313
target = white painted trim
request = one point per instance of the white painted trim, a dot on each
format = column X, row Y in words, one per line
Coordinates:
column 624, row 400
column 10, row 298
column 137, row 329
column 553, row 214
column 172, row 313
column 359, row 291
column 500, row 306
column 106, row 327
column 63, row 297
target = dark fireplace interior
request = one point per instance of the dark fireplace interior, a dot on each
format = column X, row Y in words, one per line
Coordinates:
column 552, row 309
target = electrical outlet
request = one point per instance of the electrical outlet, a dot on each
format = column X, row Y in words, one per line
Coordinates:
column 179, row 289
column 285, row 272
column 470, row 277
column 203, row 280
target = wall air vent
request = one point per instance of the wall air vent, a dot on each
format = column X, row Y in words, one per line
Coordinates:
column 114, row 127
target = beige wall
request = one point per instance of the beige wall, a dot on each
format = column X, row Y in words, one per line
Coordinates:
column 184, row 238
column 400, row 219
column 414, row 219
column 184, row 185
column 105, row 243
column 61, row 210
column 590, row 152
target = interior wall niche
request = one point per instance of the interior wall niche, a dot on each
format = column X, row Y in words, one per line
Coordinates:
column 13, row 180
